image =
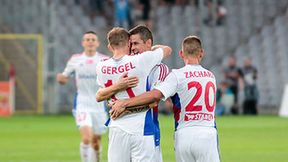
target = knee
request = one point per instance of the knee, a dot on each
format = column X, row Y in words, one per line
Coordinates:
column 96, row 142
column 86, row 140
column 86, row 134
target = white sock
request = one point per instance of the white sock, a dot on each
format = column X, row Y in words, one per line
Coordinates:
column 84, row 152
column 99, row 153
column 92, row 155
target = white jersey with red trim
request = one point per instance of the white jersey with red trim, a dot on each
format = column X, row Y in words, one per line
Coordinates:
column 109, row 72
column 158, row 74
column 194, row 95
column 84, row 69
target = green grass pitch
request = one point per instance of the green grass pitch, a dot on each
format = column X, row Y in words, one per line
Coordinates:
column 56, row 139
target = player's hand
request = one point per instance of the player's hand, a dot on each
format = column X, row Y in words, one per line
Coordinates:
column 61, row 78
column 125, row 112
column 110, row 103
column 117, row 109
column 155, row 47
column 125, row 82
column 154, row 104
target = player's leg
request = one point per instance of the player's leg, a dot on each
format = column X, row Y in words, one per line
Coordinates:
column 182, row 146
column 205, row 144
column 96, row 145
column 119, row 145
column 143, row 149
column 98, row 120
column 85, row 146
column 84, row 123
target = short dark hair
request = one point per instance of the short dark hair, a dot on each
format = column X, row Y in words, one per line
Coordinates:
column 118, row 37
column 90, row 32
column 144, row 32
column 191, row 45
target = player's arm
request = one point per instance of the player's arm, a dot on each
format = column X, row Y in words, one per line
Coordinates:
column 166, row 50
column 123, row 83
column 62, row 79
column 131, row 104
column 144, row 99
column 106, row 93
column 157, row 76
column 162, row 91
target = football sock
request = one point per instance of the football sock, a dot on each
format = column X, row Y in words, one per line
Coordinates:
column 93, row 156
column 84, row 152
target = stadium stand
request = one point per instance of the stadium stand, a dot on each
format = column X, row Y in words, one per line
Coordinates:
column 256, row 28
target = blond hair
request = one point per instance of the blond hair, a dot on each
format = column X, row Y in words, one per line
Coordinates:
column 118, row 37
column 191, row 45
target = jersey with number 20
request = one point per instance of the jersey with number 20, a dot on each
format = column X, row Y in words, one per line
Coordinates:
column 194, row 96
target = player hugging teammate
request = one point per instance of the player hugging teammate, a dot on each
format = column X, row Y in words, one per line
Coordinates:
column 193, row 92
column 134, row 80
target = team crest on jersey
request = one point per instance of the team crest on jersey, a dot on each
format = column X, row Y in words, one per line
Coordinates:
column 89, row 61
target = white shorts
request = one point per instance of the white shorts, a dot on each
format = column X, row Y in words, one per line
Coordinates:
column 158, row 154
column 124, row 147
column 96, row 120
column 196, row 144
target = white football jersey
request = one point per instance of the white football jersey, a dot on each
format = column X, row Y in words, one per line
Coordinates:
column 194, row 95
column 109, row 72
column 84, row 69
column 158, row 75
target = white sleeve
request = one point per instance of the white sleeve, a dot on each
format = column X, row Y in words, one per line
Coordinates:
column 158, row 74
column 149, row 59
column 70, row 67
column 169, row 86
column 98, row 72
